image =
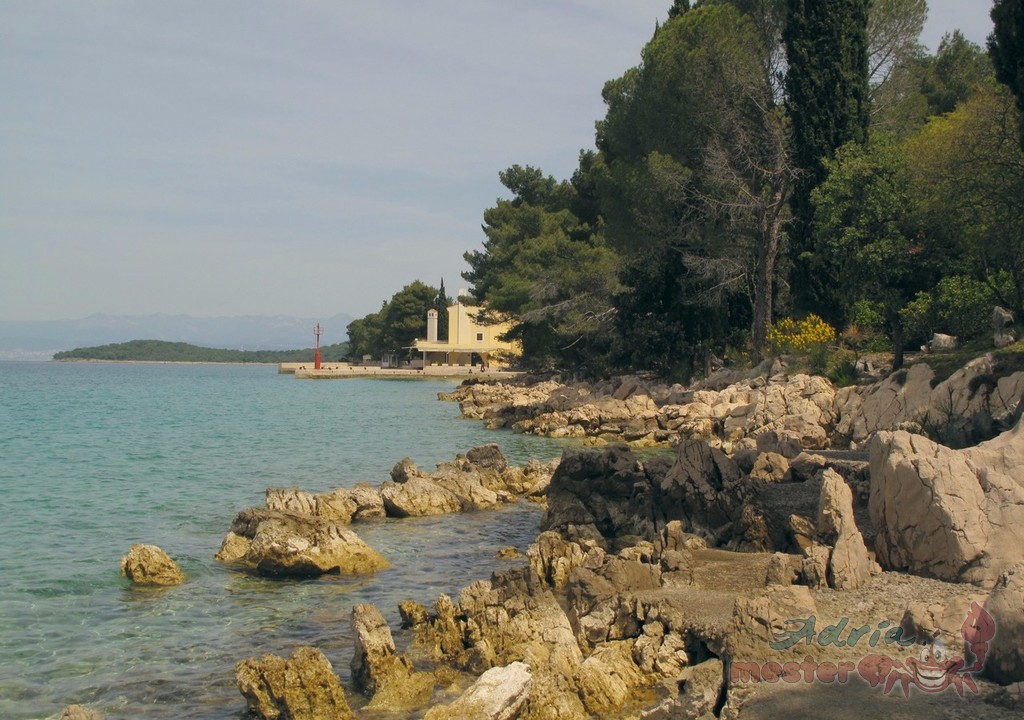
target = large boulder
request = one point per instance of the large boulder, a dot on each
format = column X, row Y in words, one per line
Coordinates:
column 1002, row 327
column 379, row 671
column 149, row 565
column 417, row 496
column 1005, row 661
column 849, row 566
column 498, row 694
column 949, row 514
column 282, row 544
column 303, row 687
column 703, row 489
column 608, row 490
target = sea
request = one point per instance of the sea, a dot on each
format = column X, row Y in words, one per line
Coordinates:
column 95, row 457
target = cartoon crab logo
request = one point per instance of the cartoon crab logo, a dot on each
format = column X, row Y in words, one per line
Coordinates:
column 934, row 669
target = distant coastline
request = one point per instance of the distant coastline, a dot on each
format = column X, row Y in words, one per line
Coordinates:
column 160, row 351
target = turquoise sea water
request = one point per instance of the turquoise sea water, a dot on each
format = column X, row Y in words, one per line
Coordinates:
column 96, row 457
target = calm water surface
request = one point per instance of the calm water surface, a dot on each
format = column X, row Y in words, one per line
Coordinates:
column 96, row 457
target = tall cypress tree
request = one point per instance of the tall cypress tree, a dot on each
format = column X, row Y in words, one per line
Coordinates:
column 827, row 97
column 1006, row 48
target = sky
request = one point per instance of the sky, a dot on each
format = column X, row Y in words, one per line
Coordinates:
column 306, row 158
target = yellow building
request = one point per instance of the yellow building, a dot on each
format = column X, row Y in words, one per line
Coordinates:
column 468, row 343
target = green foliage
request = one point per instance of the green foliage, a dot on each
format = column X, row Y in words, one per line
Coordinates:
column 394, row 327
column 963, row 307
column 162, row 351
column 546, row 268
column 841, row 368
column 1006, row 48
column 827, row 97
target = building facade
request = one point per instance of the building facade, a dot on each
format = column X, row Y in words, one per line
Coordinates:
column 468, row 343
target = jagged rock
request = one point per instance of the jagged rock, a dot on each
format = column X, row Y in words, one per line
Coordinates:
column 498, row 694
column 304, row 687
column 418, row 496
column 281, row 544
column 806, row 466
column 702, row 687
column 608, row 678
column 953, row 515
column 849, row 566
column 1005, row 661
column 149, row 565
column 79, row 712
column 513, row 618
column 368, row 502
column 337, row 506
column 815, row 565
column 552, row 558
column 702, row 488
column 488, row 457
column 381, row 672
column 413, row 613
column 783, row 569
column 600, row 600
column 969, row 406
column 659, row 652
column 785, row 445
column 609, row 490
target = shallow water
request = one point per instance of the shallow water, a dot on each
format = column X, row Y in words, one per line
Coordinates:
column 95, row 457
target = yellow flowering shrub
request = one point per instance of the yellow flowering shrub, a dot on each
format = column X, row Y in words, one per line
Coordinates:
column 789, row 335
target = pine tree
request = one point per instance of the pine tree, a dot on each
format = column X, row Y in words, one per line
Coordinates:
column 1006, row 48
column 827, row 97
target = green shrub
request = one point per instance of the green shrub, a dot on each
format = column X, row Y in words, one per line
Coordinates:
column 963, row 306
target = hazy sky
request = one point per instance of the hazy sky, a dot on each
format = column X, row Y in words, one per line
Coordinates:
column 306, row 157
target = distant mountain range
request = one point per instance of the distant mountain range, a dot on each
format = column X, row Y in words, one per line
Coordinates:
column 39, row 340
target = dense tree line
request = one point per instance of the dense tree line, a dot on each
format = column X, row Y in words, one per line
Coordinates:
column 771, row 158
column 163, row 351
column 400, row 321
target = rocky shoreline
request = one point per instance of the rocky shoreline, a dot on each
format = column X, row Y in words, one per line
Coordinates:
column 802, row 548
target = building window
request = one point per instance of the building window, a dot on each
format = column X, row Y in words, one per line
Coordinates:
column 479, row 337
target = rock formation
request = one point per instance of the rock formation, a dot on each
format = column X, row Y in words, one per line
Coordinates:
column 285, row 544
column 380, row 672
column 1005, row 660
column 957, row 515
column 303, row 687
column 849, row 566
column 149, row 565
column 498, row 694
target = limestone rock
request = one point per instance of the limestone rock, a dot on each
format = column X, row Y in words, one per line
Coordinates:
column 304, row 687
column 413, row 613
column 702, row 687
column 498, row 694
column 553, row 558
column 381, row 672
column 417, row 496
column 368, row 503
column 609, row 490
column 609, row 678
column 770, row 467
column 1005, row 661
column 757, row 621
column 849, row 566
column 953, row 515
column 701, row 487
column 282, row 544
column 149, row 565
column 336, row 506
column 79, row 712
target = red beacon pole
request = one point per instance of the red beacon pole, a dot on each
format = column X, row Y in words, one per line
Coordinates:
column 316, row 355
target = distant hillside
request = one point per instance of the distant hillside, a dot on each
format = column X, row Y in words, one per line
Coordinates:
column 162, row 351
column 40, row 340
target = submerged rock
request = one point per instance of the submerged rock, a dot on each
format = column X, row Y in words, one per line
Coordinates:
column 79, row 712
column 149, row 565
column 283, row 544
column 303, row 687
